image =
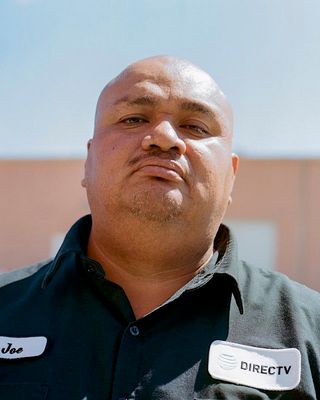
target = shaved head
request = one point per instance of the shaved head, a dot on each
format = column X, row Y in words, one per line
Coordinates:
column 154, row 67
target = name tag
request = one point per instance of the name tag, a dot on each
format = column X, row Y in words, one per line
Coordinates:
column 12, row 347
column 261, row 368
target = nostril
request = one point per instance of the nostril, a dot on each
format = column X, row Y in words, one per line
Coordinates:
column 163, row 140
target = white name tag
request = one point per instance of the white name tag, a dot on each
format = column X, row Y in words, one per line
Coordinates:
column 266, row 369
column 12, row 347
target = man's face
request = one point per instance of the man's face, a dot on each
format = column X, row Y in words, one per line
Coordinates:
column 162, row 146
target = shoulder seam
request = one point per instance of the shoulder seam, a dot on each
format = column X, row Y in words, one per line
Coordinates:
column 21, row 273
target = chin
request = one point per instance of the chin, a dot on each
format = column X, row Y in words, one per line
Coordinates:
column 155, row 207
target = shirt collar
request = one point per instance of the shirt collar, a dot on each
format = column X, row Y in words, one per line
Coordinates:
column 228, row 263
column 74, row 243
column 224, row 261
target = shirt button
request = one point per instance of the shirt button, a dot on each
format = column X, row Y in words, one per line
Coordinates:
column 134, row 330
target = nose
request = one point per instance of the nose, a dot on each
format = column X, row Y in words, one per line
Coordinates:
column 165, row 138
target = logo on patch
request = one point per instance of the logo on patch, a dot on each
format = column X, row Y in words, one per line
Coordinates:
column 227, row 361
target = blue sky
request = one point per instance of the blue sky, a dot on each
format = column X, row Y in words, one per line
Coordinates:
column 56, row 55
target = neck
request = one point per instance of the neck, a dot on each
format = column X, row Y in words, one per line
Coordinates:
column 149, row 263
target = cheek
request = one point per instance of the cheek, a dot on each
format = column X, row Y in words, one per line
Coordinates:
column 211, row 167
column 108, row 155
column 108, row 159
column 115, row 144
column 206, row 160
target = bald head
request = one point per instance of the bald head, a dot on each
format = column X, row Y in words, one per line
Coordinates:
column 165, row 70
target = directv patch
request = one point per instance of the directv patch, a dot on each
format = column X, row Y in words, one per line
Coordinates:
column 261, row 368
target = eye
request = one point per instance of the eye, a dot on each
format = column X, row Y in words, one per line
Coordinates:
column 196, row 130
column 134, row 120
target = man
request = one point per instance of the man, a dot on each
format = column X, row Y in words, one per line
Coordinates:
column 146, row 299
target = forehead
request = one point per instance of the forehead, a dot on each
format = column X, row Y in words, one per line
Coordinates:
column 164, row 82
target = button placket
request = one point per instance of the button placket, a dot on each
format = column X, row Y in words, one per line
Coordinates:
column 126, row 378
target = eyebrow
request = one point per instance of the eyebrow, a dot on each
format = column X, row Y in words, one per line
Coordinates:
column 145, row 100
column 197, row 107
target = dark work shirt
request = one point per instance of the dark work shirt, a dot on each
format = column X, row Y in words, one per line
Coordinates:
column 96, row 349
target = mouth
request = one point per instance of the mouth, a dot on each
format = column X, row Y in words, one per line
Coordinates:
column 160, row 169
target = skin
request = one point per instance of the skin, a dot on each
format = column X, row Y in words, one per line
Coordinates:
column 159, row 176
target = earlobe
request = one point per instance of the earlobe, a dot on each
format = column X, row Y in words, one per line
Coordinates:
column 235, row 163
column 83, row 181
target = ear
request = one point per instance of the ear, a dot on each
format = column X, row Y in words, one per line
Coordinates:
column 83, row 181
column 235, row 165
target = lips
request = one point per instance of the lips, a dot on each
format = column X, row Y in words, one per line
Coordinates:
column 161, row 168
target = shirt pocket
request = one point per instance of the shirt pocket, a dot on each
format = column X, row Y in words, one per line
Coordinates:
column 23, row 391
